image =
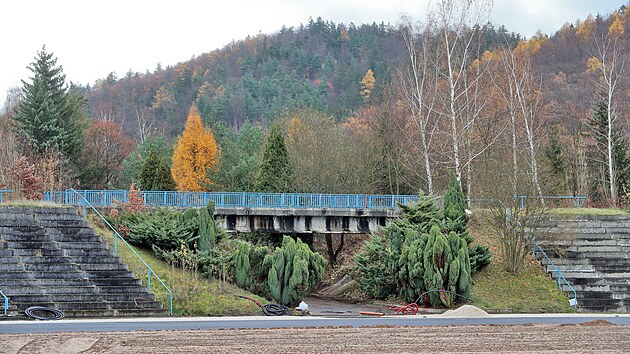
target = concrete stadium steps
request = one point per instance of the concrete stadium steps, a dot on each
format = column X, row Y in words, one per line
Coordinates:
column 50, row 257
column 593, row 254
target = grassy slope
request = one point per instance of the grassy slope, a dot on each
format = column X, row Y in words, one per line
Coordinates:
column 193, row 295
column 589, row 211
column 497, row 290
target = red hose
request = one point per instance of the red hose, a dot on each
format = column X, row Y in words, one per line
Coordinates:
column 411, row 309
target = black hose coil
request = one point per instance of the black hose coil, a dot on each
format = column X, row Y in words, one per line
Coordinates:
column 31, row 312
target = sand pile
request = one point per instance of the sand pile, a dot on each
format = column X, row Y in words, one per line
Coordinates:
column 465, row 311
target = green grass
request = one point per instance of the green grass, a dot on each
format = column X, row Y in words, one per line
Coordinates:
column 589, row 211
column 496, row 290
column 193, row 295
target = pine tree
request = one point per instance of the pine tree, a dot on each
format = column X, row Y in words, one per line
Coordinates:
column 155, row 174
column 50, row 116
column 276, row 173
column 195, row 155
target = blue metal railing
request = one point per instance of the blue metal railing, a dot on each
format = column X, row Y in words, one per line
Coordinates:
column 561, row 277
column 6, row 302
column 576, row 199
column 117, row 236
column 103, row 198
column 2, row 191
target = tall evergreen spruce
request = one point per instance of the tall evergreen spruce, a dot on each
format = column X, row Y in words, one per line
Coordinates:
column 50, row 116
column 155, row 174
column 620, row 159
column 276, row 174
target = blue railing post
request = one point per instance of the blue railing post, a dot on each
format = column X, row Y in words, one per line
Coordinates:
column 148, row 279
column 2, row 191
column 572, row 302
column 6, row 303
column 165, row 198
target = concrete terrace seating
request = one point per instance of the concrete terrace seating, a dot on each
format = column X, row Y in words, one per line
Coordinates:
column 50, row 257
column 593, row 254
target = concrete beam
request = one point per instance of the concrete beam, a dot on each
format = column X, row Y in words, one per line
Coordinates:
column 289, row 221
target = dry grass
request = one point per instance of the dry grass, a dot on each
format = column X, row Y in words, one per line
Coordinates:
column 497, row 290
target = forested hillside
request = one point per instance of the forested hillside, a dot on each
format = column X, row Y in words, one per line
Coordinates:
column 365, row 108
column 319, row 65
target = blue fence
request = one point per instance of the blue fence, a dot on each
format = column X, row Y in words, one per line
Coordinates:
column 103, row 198
column 579, row 200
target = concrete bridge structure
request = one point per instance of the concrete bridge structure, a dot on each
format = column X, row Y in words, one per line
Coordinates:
column 286, row 213
column 304, row 221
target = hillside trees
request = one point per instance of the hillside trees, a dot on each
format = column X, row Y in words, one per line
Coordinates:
column 608, row 61
column 132, row 166
column 417, row 80
column 241, row 155
column 104, row 150
column 458, row 25
column 600, row 126
column 194, row 155
column 9, row 151
column 322, row 158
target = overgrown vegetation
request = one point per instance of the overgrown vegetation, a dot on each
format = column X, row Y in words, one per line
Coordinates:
column 424, row 251
column 193, row 294
column 192, row 240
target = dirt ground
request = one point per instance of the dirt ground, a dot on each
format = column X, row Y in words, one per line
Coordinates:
column 598, row 336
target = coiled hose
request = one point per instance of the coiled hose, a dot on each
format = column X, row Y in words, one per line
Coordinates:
column 412, row 308
column 268, row 309
column 31, row 312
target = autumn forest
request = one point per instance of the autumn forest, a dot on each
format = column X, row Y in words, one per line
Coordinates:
column 342, row 108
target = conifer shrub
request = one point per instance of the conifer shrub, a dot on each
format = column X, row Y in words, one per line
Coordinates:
column 424, row 252
column 294, row 270
column 208, row 228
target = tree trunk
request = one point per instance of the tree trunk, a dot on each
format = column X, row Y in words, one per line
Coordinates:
column 332, row 253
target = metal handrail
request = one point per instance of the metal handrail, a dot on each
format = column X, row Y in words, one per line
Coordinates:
column 559, row 273
column 102, row 198
column 576, row 198
column 116, row 237
column 6, row 302
column 2, row 191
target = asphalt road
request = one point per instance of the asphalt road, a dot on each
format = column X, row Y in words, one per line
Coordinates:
column 118, row 325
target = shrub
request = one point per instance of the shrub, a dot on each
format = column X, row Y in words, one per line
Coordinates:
column 372, row 268
column 414, row 256
column 294, row 270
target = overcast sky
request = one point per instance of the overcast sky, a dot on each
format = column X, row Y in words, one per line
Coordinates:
column 93, row 38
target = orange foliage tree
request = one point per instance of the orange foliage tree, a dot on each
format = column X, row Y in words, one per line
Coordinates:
column 195, row 154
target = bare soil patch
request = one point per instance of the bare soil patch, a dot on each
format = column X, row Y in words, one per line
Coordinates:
column 382, row 339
